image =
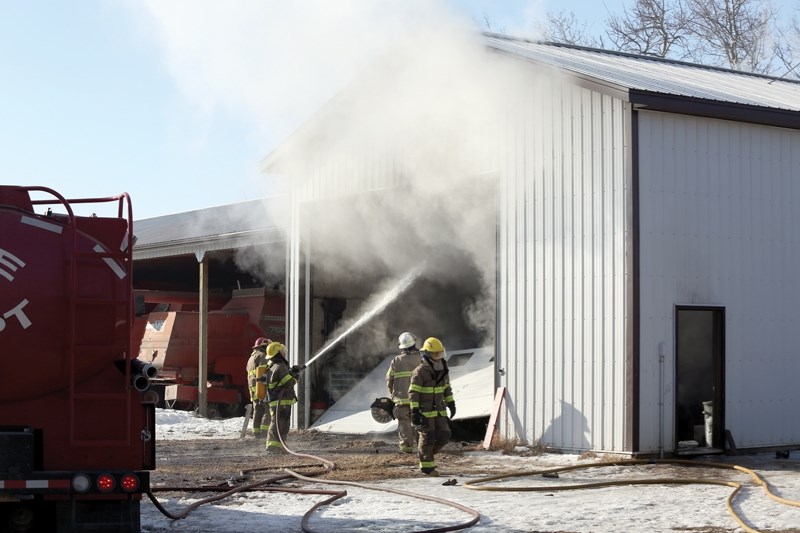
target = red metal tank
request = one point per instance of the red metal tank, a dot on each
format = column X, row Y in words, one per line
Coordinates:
column 51, row 339
column 75, row 432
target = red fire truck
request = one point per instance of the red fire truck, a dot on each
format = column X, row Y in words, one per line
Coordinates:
column 76, row 439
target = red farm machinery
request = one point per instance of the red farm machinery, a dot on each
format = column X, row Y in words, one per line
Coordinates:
column 167, row 337
column 76, row 438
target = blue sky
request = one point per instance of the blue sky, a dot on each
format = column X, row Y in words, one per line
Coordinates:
column 177, row 102
column 88, row 108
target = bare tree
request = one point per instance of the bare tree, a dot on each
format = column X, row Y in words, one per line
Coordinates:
column 739, row 34
column 787, row 49
column 734, row 33
column 489, row 26
column 651, row 27
column 564, row 27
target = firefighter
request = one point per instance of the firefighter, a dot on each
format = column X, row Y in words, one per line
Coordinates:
column 430, row 396
column 398, row 379
column 256, row 367
column 280, row 380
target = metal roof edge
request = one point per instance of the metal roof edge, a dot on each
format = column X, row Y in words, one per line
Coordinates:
column 646, row 57
column 214, row 208
column 268, row 163
column 209, row 244
column 580, row 79
column 686, row 105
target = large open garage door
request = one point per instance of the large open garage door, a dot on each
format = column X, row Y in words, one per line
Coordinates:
column 396, row 262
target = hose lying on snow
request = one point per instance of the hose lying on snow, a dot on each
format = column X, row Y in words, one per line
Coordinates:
column 758, row 480
column 328, row 466
column 475, row 514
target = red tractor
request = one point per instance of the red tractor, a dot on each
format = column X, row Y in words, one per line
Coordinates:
column 168, row 338
column 76, row 438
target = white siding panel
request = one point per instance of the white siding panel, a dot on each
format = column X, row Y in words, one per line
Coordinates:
column 345, row 173
column 719, row 212
column 562, row 317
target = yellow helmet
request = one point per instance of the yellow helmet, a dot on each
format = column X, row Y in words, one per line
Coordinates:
column 274, row 349
column 432, row 345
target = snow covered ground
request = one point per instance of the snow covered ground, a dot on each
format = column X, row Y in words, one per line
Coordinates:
column 628, row 508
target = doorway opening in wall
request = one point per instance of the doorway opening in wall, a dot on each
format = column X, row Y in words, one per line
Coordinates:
column 699, row 380
column 359, row 249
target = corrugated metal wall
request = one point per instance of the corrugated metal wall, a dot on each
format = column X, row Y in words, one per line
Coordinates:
column 562, row 271
column 347, row 172
column 719, row 215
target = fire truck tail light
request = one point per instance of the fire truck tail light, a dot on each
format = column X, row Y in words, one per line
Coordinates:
column 81, row 483
column 105, row 483
column 129, row 483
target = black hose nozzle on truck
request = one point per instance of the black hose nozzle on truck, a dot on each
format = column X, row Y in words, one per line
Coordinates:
column 141, row 373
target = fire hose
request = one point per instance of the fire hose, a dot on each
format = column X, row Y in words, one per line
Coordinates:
column 328, row 466
column 553, row 472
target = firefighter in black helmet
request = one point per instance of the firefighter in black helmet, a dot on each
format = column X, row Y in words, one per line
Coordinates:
column 257, row 367
column 398, row 379
column 431, row 397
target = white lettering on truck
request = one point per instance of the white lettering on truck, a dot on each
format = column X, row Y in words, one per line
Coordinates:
column 7, row 266
column 19, row 313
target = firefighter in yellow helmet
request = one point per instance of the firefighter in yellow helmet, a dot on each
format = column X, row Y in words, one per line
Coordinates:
column 431, row 396
column 280, row 381
column 398, row 379
column 257, row 367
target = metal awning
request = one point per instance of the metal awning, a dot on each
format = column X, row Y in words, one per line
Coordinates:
column 227, row 227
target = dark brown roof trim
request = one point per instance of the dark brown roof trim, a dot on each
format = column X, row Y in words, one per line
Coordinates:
column 712, row 109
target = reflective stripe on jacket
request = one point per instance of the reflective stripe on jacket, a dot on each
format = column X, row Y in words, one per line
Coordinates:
column 430, row 390
column 398, row 377
column 280, row 383
column 257, row 358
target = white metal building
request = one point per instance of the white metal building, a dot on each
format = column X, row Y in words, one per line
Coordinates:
column 646, row 247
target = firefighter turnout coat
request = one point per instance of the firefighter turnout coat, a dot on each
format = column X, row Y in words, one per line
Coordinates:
column 281, row 395
column 398, row 377
column 430, row 390
column 258, row 359
column 280, row 383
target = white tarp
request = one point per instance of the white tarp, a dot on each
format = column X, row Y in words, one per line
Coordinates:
column 471, row 378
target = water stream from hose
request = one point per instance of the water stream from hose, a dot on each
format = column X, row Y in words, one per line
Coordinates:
column 374, row 305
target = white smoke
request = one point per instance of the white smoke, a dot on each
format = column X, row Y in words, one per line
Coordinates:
column 416, row 90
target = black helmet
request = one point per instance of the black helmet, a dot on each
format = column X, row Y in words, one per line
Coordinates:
column 382, row 410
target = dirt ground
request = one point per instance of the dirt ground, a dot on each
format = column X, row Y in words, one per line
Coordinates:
column 204, row 462
column 211, row 462
column 219, row 464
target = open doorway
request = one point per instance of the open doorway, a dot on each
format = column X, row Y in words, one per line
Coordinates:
column 699, row 379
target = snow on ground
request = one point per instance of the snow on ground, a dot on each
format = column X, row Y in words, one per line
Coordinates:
column 630, row 508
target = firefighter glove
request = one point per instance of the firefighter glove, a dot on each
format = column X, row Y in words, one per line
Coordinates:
column 452, row 407
column 295, row 370
column 416, row 418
